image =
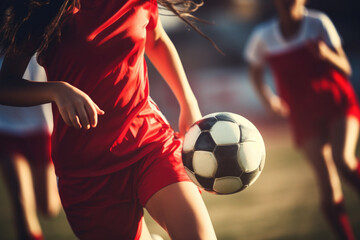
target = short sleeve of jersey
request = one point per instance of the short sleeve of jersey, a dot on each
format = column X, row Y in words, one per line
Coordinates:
column 254, row 52
column 329, row 33
column 154, row 14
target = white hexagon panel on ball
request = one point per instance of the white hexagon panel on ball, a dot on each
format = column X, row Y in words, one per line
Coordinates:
column 225, row 133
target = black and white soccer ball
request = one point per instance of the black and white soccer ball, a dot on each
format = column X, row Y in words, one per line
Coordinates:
column 223, row 153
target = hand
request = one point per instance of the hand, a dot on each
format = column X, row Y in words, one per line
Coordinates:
column 76, row 107
column 318, row 48
column 278, row 107
column 188, row 115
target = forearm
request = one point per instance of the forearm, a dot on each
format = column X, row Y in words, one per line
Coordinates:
column 339, row 61
column 263, row 91
column 27, row 93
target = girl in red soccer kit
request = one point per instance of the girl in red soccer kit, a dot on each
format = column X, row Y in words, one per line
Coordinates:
column 109, row 168
column 304, row 53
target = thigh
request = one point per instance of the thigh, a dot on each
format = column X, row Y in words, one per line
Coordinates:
column 180, row 210
column 170, row 197
column 308, row 128
column 38, row 148
column 103, row 207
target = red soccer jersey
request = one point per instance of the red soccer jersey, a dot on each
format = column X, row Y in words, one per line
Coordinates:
column 312, row 87
column 101, row 52
column 315, row 91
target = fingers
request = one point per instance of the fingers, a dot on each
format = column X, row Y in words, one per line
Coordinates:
column 99, row 111
column 82, row 116
column 76, row 107
column 93, row 111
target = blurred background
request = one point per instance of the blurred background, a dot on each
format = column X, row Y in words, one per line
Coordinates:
column 283, row 202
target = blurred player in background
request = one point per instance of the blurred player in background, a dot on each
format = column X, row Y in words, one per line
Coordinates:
column 26, row 161
column 94, row 56
column 310, row 68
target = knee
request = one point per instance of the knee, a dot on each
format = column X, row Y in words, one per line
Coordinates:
column 50, row 210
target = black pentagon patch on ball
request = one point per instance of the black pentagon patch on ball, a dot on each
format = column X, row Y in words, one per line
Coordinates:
column 206, row 183
column 205, row 142
column 227, row 161
column 225, row 117
column 246, row 178
column 206, row 123
column 187, row 160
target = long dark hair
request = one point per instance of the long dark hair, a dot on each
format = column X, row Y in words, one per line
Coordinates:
column 39, row 22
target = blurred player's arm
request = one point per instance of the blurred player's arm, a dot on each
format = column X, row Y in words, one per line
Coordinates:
column 76, row 108
column 329, row 46
column 163, row 55
column 335, row 57
column 270, row 100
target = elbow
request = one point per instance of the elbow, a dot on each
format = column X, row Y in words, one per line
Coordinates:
column 349, row 71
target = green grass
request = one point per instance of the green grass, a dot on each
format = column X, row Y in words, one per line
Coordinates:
column 281, row 204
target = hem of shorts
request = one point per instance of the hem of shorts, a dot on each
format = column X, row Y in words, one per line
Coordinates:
column 347, row 113
column 150, row 194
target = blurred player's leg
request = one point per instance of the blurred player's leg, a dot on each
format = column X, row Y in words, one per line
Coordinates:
column 344, row 137
column 319, row 155
column 180, row 210
column 18, row 176
column 47, row 195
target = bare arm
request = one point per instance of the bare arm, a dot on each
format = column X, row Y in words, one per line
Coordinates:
column 336, row 57
column 271, row 101
column 162, row 53
column 75, row 107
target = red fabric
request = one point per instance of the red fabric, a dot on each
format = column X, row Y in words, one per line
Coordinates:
column 339, row 221
column 315, row 92
column 111, row 206
column 101, row 52
column 37, row 237
column 36, row 147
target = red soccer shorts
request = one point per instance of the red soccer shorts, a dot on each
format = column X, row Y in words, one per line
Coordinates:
column 312, row 125
column 35, row 147
column 111, row 206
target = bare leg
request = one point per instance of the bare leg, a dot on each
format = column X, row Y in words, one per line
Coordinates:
column 180, row 210
column 344, row 137
column 319, row 155
column 46, row 189
column 18, row 176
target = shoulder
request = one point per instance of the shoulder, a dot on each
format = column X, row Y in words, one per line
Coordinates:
column 318, row 17
column 263, row 30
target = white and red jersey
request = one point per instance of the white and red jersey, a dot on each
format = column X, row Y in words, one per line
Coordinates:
column 20, row 121
column 267, row 40
column 310, row 85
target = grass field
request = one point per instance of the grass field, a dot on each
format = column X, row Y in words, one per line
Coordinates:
column 281, row 205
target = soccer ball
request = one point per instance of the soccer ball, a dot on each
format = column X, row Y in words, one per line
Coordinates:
column 223, row 153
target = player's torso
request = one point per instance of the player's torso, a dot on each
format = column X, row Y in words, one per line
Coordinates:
column 101, row 45
column 101, row 52
column 303, row 79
